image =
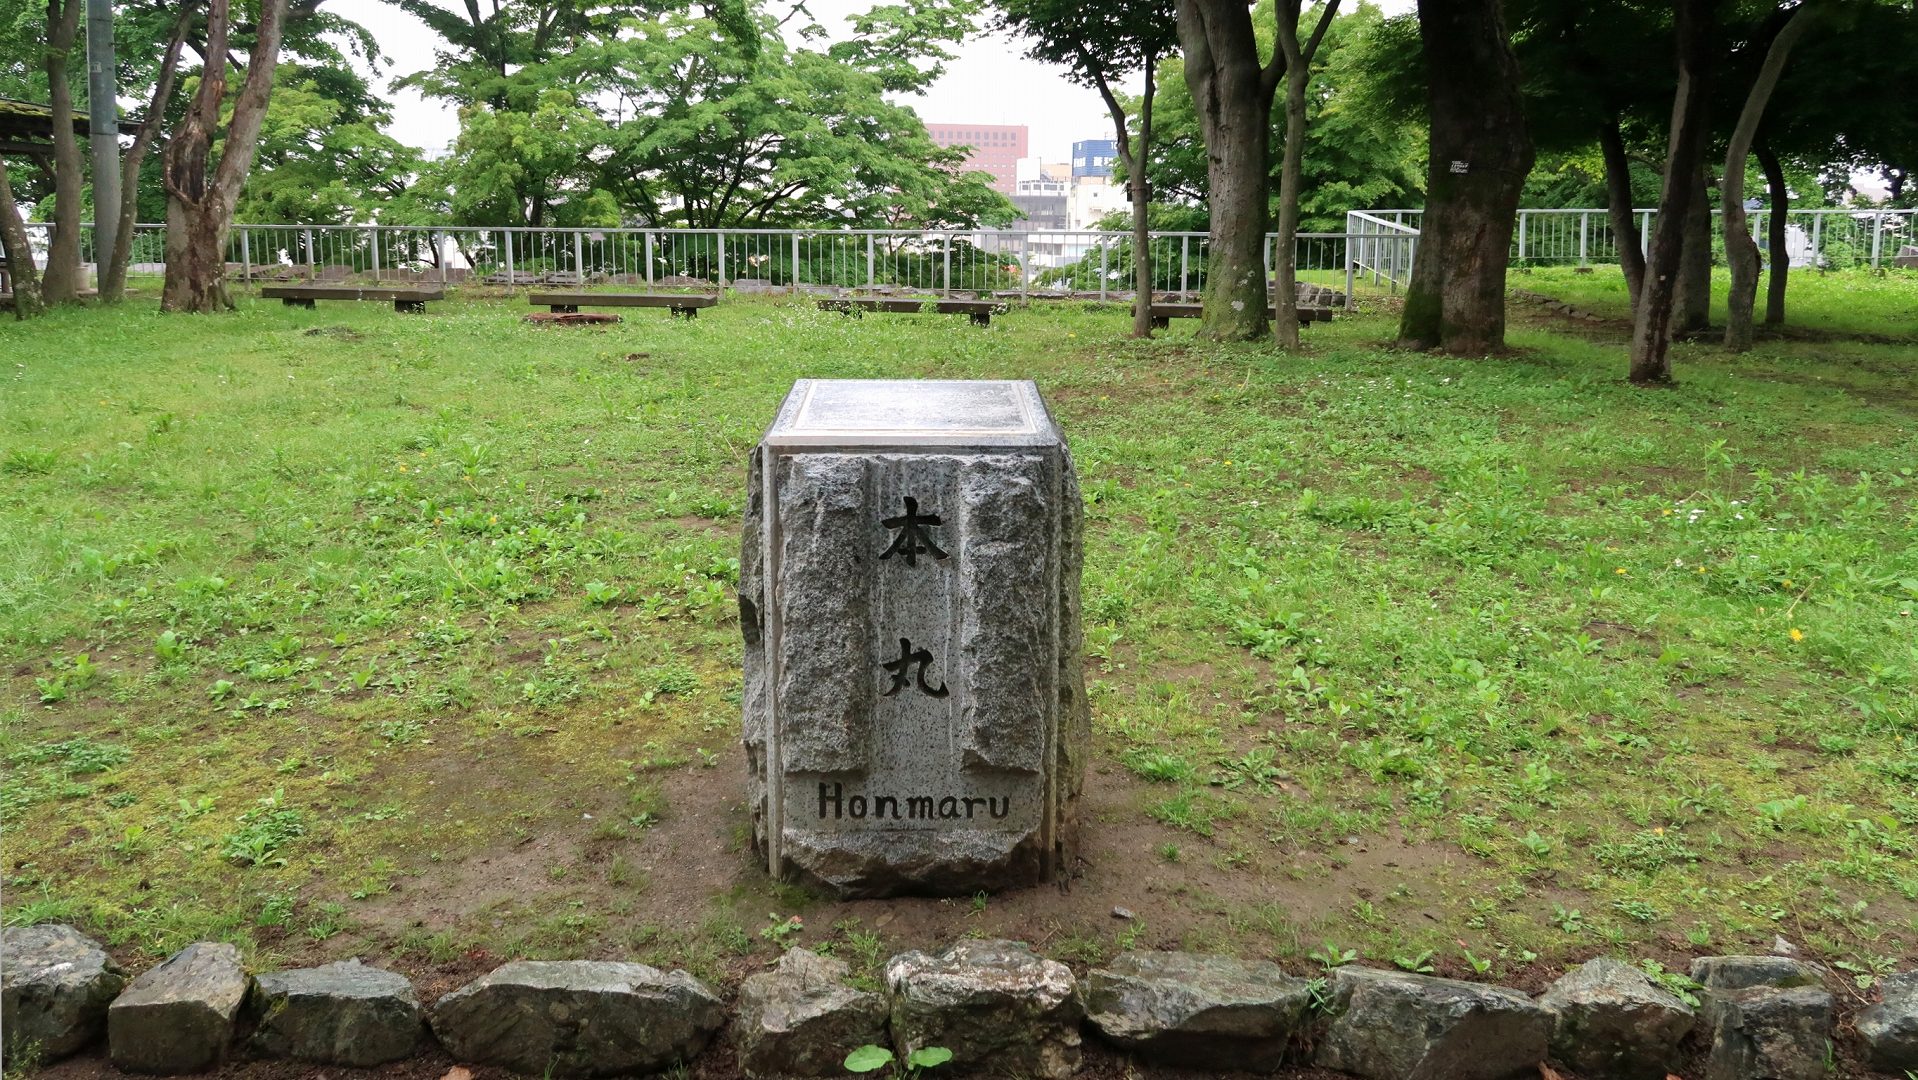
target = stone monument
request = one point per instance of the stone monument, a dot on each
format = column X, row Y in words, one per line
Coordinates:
column 915, row 712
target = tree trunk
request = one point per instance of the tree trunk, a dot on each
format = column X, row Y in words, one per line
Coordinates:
column 13, row 244
column 65, row 276
column 1692, row 303
column 1298, row 78
column 1779, row 227
column 1137, row 187
column 1232, row 94
column 199, row 207
column 113, row 271
column 1741, row 251
column 1618, row 200
column 1479, row 156
column 1685, row 154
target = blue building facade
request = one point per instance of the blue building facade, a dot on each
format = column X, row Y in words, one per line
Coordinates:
column 1094, row 157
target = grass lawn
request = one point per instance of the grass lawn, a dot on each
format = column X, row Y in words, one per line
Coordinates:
column 340, row 632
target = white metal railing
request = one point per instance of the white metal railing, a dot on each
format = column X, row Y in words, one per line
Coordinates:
column 1030, row 264
column 1374, row 253
column 1833, row 239
column 1381, row 248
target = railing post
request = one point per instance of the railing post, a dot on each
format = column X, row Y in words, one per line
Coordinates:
column 1817, row 247
column 649, row 256
column 311, row 270
column 795, row 269
column 871, row 267
column 1584, row 237
column 719, row 237
column 945, row 253
column 375, row 229
column 1025, row 266
column 511, row 279
column 1645, row 234
column 246, row 255
column 1521, row 235
column 1349, row 277
column 440, row 256
column 1105, row 251
column 1877, row 237
column 579, row 258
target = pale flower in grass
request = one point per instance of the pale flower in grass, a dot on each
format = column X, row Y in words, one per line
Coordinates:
column 1797, row 634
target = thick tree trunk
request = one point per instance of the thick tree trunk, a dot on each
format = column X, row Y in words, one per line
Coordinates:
column 1480, row 154
column 1618, row 205
column 195, row 258
column 1232, row 94
column 113, row 271
column 1778, row 195
column 1692, row 304
column 200, row 207
column 65, row 276
column 1298, row 78
column 1741, row 251
column 13, row 244
column 1685, row 154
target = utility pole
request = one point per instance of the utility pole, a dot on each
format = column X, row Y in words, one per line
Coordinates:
column 103, row 121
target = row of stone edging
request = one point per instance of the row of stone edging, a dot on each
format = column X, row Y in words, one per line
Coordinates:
column 1557, row 306
column 997, row 1006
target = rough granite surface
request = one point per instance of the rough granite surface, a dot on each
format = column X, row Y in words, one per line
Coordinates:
column 339, row 1014
column 179, row 1017
column 915, row 718
column 1197, row 1010
column 578, row 1018
column 55, row 986
column 1001, row 1010
column 1391, row 1025
column 803, row 1018
column 1611, row 1022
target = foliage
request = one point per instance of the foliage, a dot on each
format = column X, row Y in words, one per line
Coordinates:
column 1359, row 154
column 323, row 159
column 688, row 117
column 871, row 1058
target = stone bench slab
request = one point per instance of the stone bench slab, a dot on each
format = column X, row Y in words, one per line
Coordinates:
column 684, row 304
column 980, row 312
column 404, row 300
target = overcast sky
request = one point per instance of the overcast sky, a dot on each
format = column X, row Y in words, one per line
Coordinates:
column 990, row 81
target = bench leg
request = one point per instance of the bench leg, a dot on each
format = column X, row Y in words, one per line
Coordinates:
column 980, row 318
column 295, row 302
column 563, row 309
column 410, row 307
column 685, row 312
column 1161, row 322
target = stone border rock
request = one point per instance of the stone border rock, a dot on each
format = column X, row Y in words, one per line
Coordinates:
column 995, row 1004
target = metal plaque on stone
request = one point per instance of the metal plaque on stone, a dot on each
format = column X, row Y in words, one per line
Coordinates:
column 915, row 712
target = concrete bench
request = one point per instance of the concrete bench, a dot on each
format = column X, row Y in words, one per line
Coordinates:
column 1164, row 313
column 979, row 312
column 687, row 304
column 404, row 300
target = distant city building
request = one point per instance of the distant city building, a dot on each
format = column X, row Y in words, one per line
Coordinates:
column 1094, row 157
column 1093, row 198
column 996, row 149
